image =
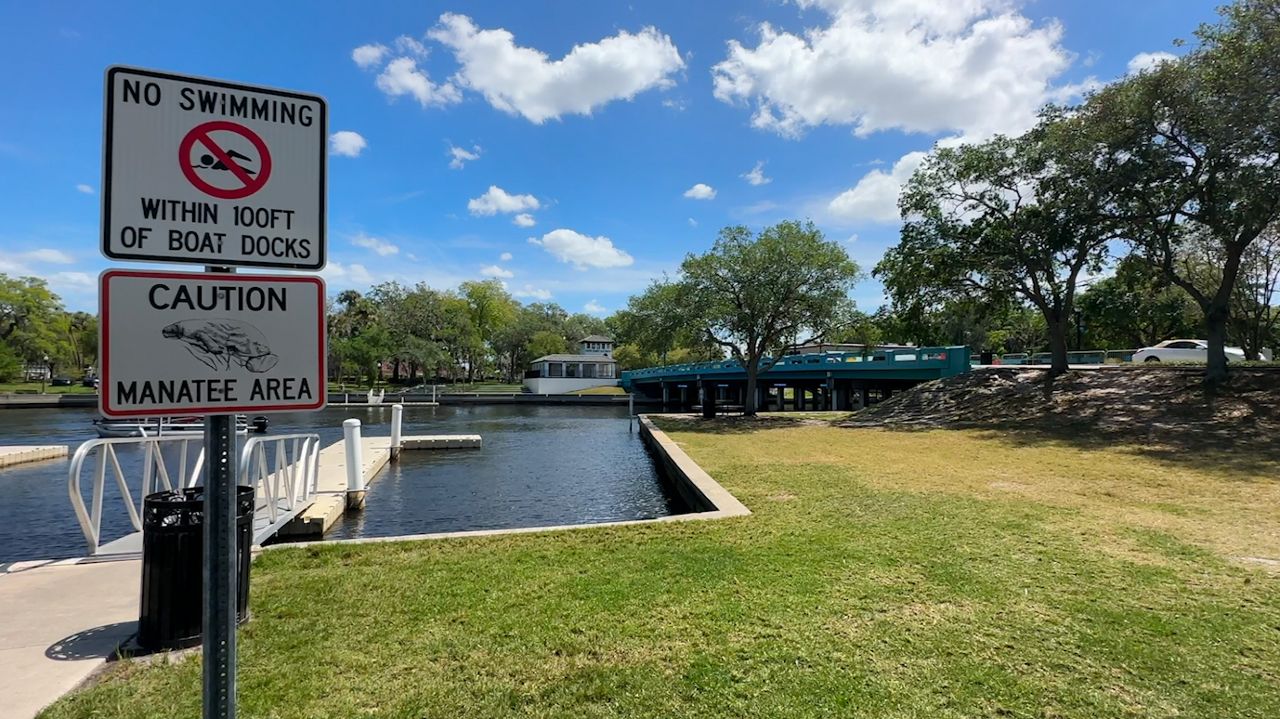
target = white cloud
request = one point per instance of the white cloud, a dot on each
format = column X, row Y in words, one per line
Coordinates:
column 700, row 191
column 401, row 76
column 379, row 246
column 524, row 81
column 460, row 156
column 367, row 56
column 875, row 197
column 523, row 219
column 973, row 66
column 86, row 189
column 505, row 257
column 497, row 200
column 48, row 255
column 496, row 271
column 693, row 222
column 532, row 293
column 346, row 143
column 756, row 175
column 595, row 308
column 354, row 274
column 1148, row 60
column 673, row 104
column 410, row 46
column 582, row 251
column 72, row 281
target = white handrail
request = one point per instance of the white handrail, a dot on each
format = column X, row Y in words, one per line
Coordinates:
column 154, row 467
column 283, row 469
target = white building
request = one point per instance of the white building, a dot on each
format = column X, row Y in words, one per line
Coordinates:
column 593, row 366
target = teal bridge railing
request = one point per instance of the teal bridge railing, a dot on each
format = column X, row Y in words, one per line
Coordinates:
column 912, row 363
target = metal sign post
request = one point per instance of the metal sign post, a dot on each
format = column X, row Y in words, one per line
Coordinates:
column 220, row 574
column 220, row 571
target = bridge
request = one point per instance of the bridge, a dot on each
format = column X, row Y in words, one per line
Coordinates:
column 819, row 380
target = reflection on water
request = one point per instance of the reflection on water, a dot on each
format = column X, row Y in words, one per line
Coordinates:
column 539, row 465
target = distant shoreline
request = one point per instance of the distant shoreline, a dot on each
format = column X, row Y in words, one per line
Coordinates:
column 337, row 399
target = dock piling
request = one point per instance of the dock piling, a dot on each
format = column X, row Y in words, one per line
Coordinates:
column 355, row 463
column 397, row 417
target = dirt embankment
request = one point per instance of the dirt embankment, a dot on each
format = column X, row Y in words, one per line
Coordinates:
column 1124, row 404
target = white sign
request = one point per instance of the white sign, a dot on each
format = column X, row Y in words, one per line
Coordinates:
column 210, row 343
column 212, row 172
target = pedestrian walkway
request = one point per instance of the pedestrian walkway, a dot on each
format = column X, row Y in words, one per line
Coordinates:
column 62, row 622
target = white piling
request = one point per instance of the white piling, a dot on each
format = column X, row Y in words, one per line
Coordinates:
column 355, row 463
column 397, row 416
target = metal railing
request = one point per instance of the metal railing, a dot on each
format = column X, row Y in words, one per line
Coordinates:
column 283, row 469
column 157, row 475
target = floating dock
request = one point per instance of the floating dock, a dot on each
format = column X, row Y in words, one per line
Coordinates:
column 21, row 454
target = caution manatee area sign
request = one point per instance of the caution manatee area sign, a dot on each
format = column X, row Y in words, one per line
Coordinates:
column 212, row 172
column 198, row 343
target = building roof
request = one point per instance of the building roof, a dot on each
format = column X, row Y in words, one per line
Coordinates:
column 596, row 338
column 598, row 359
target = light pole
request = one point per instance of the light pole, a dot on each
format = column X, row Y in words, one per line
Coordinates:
column 44, row 376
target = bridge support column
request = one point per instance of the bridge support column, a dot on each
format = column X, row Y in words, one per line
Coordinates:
column 800, row 398
column 782, row 399
column 709, row 391
column 832, row 401
column 684, row 398
column 762, row 397
column 864, row 397
column 666, row 396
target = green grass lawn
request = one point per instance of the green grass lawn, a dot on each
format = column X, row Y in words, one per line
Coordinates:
column 882, row 574
column 34, row 388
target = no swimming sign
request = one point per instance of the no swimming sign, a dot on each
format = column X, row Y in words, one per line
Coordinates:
column 212, row 172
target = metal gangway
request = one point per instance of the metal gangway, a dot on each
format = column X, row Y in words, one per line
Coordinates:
column 283, row 469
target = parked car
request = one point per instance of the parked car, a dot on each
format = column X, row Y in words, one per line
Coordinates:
column 61, row 382
column 1183, row 351
column 89, row 381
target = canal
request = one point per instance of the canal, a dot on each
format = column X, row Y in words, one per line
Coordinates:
column 540, row 465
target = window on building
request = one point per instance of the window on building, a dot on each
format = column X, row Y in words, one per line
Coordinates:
column 571, row 369
column 555, row 369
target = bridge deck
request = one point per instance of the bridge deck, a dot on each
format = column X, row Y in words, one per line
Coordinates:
column 912, row 364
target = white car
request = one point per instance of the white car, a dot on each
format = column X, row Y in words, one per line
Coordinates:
column 1183, row 351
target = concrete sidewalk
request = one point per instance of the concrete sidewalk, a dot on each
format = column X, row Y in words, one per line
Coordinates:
column 61, row 622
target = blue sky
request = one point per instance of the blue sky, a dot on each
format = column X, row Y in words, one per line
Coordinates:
column 615, row 138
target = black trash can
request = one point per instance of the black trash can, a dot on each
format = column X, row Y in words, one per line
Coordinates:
column 986, row 358
column 172, row 566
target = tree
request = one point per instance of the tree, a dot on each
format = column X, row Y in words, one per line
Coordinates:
column 1254, row 318
column 1008, row 218
column 29, row 315
column 546, row 342
column 754, row 295
column 1196, row 144
column 1136, row 307
column 489, row 307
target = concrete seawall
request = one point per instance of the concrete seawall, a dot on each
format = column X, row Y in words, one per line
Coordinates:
column 698, row 490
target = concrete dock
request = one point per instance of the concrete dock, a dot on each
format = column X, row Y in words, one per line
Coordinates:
column 21, row 454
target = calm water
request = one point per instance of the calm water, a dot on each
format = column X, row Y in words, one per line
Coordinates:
column 539, row 465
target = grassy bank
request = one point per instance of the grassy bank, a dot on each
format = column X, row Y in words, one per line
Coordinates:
column 934, row 573
column 35, row 388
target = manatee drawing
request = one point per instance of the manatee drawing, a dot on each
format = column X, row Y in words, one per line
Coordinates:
column 219, row 342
